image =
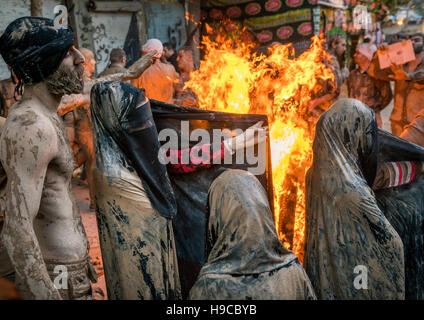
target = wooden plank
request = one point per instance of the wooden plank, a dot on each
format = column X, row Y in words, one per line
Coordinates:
column 141, row 24
column 192, row 21
column 115, row 6
column 80, row 21
column 36, row 8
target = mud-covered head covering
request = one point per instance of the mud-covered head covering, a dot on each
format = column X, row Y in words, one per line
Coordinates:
column 242, row 239
column 367, row 50
column 345, row 230
column 246, row 260
column 126, row 139
column 349, row 127
column 153, row 44
column 34, row 48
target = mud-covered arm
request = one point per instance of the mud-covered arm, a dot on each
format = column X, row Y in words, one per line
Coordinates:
column 71, row 102
column 394, row 174
column 2, row 121
column 377, row 73
column 198, row 157
column 192, row 159
column 417, row 76
column 414, row 131
column 133, row 72
column 26, row 151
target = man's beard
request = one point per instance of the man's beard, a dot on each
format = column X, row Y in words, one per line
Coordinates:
column 65, row 81
column 418, row 48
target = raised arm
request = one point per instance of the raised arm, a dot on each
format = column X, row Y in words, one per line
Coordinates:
column 395, row 174
column 133, row 72
column 204, row 157
column 196, row 162
column 25, row 162
column 73, row 101
column 374, row 68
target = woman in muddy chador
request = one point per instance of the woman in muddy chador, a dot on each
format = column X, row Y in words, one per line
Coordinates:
column 246, row 260
column 134, row 198
column 363, row 234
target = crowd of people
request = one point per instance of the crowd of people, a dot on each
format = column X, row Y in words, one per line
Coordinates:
column 60, row 118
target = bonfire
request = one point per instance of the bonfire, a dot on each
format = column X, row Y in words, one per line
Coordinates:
column 235, row 78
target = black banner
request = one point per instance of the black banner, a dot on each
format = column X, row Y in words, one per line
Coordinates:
column 281, row 21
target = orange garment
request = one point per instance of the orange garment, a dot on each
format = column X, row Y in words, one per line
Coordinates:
column 158, row 81
column 7, row 99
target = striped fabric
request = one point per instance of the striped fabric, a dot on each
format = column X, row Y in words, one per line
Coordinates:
column 393, row 174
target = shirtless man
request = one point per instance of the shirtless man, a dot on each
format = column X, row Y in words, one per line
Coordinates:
column 159, row 80
column 409, row 88
column 43, row 227
column 76, row 111
column 185, row 97
column 43, row 232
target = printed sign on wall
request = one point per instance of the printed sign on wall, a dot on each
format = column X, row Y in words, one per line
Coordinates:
column 283, row 21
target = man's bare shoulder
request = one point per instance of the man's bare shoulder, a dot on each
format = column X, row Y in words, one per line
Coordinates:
column 27, row 124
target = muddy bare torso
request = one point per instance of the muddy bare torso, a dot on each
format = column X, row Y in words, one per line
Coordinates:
column 58, row 223
column 43, row 222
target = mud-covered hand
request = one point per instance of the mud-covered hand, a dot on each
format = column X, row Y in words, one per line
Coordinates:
column 383, row 47
column 73, row 101
column 398, row 73
column 253, row 135
column 138, row 67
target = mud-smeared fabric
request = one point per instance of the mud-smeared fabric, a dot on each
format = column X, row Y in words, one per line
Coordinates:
column 127, row 138
column 77, row 280
column 191, row 189
column 75, row 285
column 394, row 174
column 136, row 241
column 34, row 48
column 346, row 234
column 245, row 258
column 404, row 208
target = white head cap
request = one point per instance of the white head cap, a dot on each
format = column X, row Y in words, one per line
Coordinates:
column 367, row 50
column 153, row 44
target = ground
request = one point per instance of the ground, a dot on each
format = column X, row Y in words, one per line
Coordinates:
column 90, row 225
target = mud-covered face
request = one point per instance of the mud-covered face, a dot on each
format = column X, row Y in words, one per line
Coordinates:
column 89, row 66
column 68, row 78
column 168, row 52
column 361, row 60
column 340, row 46
column 185, row 60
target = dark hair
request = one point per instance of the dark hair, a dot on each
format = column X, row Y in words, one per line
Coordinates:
column 168, row 46
column 187, row 49
column 419, row 34
column 116, row 55
column 335, row 38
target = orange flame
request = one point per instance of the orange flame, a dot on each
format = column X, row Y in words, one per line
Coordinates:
column 233, row 79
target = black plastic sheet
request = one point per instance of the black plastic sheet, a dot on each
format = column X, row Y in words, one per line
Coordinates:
column 404, row 207
column 191, row 189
